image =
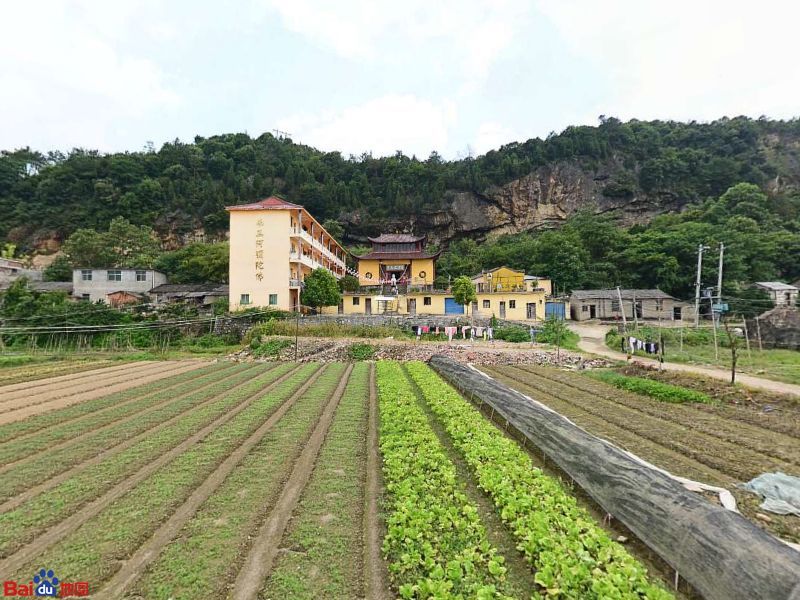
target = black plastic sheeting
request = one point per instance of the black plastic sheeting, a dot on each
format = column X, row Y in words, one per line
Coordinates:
column 718, row 552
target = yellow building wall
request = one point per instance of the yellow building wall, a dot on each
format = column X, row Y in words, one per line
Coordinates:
column 418, row 267
column 369, row 266
column 545, row 284
column 273, row 259
column 519, row 312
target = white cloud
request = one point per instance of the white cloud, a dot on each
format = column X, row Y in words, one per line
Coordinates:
column 66, row 81
column 467, row 34
column 686, row 59
column 381, row 126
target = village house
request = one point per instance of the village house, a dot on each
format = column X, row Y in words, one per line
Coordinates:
column 99, row 284
column 12, row 269
column 199, row 294
column 502, row 292
column 781, row 294
column 274, row 245
column 647, row 304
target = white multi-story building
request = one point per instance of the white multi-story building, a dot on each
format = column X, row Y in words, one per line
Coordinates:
column 96, row 284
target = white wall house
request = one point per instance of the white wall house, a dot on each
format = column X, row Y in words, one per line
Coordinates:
column 782, row 294
column 96, row 284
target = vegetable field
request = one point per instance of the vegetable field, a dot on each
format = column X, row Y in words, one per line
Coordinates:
column 720, row 444
column 283, row 480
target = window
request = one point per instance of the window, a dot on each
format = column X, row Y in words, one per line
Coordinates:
column 422, row 274
column 658, row 304
column 426, row 301
column 86, row 297
column 356, row 300
column 115, row 275
column 244, row 299
column 273, row 299
column 367, row 275
column 512, row 304
column 487, row 304
column 584, row 308
column 615, row 305
column 86, row 274
column 141, row 275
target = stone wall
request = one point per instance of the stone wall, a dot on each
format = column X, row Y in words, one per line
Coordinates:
column 779, row 327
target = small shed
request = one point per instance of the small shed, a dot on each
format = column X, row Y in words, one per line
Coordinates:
column 123, row 298
column 640, row 303
column 781, row 294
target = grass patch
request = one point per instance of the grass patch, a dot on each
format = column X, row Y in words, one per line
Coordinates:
column 696, row 346
column 361, row 351
column 664, row 392
column 287, row 328
column 270, row 348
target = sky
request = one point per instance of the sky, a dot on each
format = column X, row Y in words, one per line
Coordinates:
column 459, row 77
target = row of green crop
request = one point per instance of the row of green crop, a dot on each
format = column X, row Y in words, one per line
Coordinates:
column 93, row 551
column 21, row 524
column 328, row 522
column 50, row 419
column 572, row 556
column 203, row 556
column 23, row 446
column 42, row 466
column 650, row 387
column 435, row 544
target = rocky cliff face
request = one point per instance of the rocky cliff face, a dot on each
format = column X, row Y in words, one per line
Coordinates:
column 543, row 199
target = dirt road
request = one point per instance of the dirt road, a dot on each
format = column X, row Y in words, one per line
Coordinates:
column 593, row 341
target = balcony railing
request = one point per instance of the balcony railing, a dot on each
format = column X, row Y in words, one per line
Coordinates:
column 295, row 283
column 315, row 243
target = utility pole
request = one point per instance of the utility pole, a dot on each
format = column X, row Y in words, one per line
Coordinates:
column 622, row 309
column 719, row 273
column 700, row 249
column 635, row 312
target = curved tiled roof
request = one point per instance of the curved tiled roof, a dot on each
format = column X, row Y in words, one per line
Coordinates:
column 397, row 238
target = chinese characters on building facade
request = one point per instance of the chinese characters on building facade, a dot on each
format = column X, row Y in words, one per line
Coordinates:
column 259, row 261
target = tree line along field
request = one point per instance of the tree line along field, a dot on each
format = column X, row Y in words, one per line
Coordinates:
column 285, row 480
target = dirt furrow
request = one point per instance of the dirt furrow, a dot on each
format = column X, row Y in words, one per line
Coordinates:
column 260, row 558
column 763, row 441
column 376, row 577
column 737, row 461
column 22, row 398
column 624, row 437
column 52, row 482
column 69, row 377
column 71, row 523
column 69, row 421
column 55, row 404
column 35, row 372
column 132, row 568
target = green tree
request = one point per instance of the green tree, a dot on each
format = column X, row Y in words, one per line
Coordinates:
column 58, row 270
column 196, row 263
column 135, row 246
column 335, row 228
column 464, row 290
column 89, row 248
column 320, row 289
column 349, row 283
column 123, row 245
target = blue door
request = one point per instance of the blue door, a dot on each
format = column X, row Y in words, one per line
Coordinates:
column 451, row 307
column 554, row 310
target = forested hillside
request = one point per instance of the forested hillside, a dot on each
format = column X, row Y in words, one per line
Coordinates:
column 632, row 170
